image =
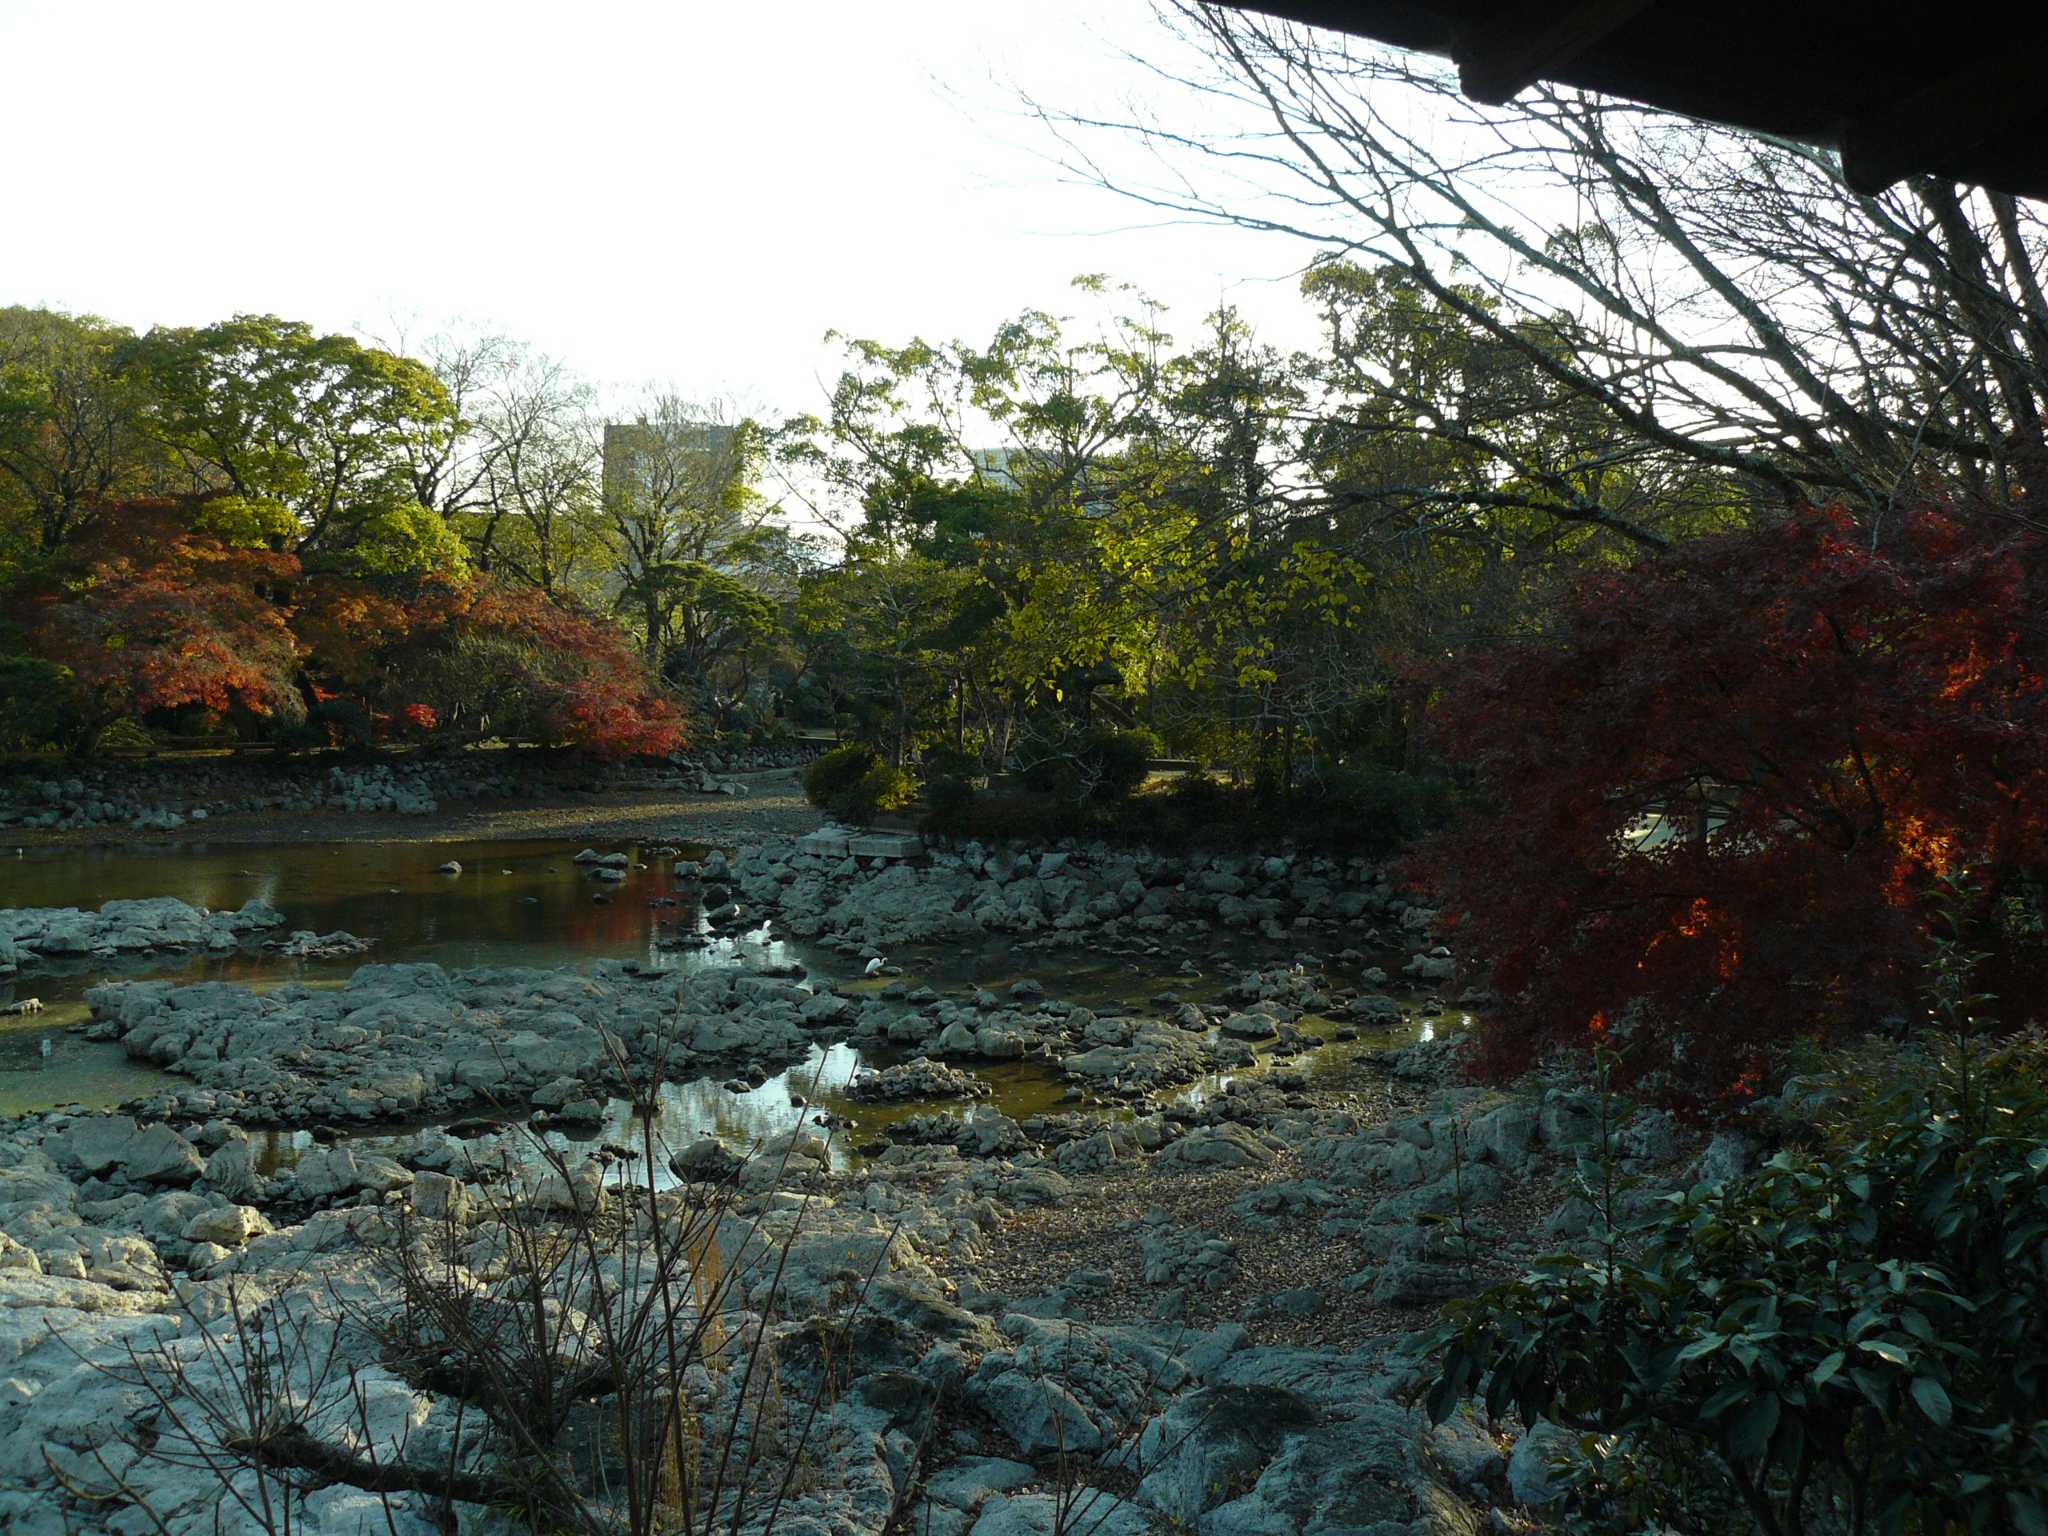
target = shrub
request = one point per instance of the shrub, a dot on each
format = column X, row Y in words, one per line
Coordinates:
column 1096, row 764
column 836, row 772
column 37, row 704
column 1852, row 1340
column 950, row 805
column 1385, row 808
column 881, row 788
column 854, row 784
column 950, row 763
column 1019, row 819
column 124, row 735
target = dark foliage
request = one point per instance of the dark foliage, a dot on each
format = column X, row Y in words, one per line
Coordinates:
column 1854, row 721
column 1096, row 764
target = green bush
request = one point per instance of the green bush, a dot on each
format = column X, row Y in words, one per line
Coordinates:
column 1098, row 764
column 836, row 772
column 1855, row 1339
column 1018, row 818
column 950, row 805
column 1196, row 794
column 1385, row 808
column 124, row 735
column 331, row 723
column 37, row 704
column 853, row 784
column 881, row 788
column 950, row 763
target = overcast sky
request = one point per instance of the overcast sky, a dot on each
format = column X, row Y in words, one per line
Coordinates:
column 678, row 193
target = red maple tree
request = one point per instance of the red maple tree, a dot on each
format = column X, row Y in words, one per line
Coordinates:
column 179, row 619
column 463, row 653
column 590, row 689
column 1851, row 723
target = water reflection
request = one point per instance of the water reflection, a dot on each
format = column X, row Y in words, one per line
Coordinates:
column 683, row 1113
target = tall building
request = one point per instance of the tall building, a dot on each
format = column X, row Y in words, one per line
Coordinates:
column 658, row 458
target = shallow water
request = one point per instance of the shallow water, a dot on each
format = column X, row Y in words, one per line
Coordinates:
column 529, row 904
column 513, row 904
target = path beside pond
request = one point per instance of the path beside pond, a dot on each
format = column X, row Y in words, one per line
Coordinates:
column 774, row 805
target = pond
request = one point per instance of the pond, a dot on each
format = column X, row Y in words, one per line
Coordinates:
column 527, row 904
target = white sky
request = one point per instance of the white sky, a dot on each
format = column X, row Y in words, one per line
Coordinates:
column 678, row 193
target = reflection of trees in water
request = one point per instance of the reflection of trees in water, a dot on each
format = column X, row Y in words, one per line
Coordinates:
column 741, row 1120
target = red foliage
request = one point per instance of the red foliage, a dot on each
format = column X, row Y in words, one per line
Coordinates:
column 180, row 621
column 352, row 630
column 162, row 616
column 591, row 690
column 475, row 654
column 1871, row 721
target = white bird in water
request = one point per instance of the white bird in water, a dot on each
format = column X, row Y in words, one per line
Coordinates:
column 874, row 967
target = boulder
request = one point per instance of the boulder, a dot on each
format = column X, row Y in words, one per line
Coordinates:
column 159, row 1155
column 229, row 1226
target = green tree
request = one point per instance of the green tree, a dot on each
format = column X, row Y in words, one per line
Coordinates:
column 717, row 625
column 67, row 426
column 678, row 492
column 320, row 425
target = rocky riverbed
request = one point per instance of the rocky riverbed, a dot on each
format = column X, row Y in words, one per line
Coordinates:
column 1130, row 902
column 1197, row 1318
column 40, row 937
column 1046, row 1263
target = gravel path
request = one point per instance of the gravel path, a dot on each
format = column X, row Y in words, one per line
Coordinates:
column 773, row 806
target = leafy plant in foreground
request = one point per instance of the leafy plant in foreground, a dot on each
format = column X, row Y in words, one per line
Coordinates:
column 1856, row 1339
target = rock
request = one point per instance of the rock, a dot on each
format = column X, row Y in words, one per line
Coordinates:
column 15, row 1256
column 1531, row 1479
column 232, row 1170
column 1728, row 1156
column 417, row 1041
column 1572, row 1219
column 1569, row 1118
column 1298, row 1301
column 438, row 1197
column 1189, row 1257
column 126, row 928
column 1217, row 1146
column 1250, row 1026
column 229, row 1226
column 94, row 1145
column 1650, row 1136
column 1406, row 1282
column 307, row 945
column 159, row 1155
column 334, row 1171
column 954, row 1495
column 919, row 1078
column 1505, row 1134
column 1213, row 1443
column 579, row 1188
